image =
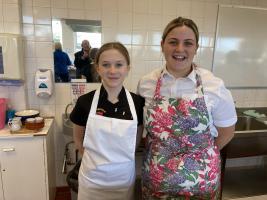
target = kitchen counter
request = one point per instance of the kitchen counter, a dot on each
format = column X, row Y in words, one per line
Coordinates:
column 261, row 197
column 44, row 131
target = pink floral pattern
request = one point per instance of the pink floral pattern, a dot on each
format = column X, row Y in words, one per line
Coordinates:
column 181, row 160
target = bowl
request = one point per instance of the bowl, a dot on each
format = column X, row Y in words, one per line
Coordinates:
column 25, row 114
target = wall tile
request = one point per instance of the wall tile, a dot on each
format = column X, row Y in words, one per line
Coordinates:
column 16, row 93
column 154, row 37
column 262, row 3
column 42, row 3
column 109, row 34
column 51, row 101
column 27, row 14
column 124, row 35
column 140, row 21
column 138, row 52
column 2, row 30
column 155, row 6
column 109, row 6
column 237, row 2
column 76, row 13
column 30, row 73
column 30, row 66
column 42, row 15
column 139, row 37
column 11, row 1
column 169, row 7
column 125, row 6
column 198, row 9
column 59, row 4
column 29, row 49
column 28, row 31
column 26, row 3
column 11, row 13
column 93, row 15
column 93, row 5
column 43, row 49
column 12, row 27
column 152, row 53
column 210, row 11
column 109, row 19
column 59, row 13
column 77, row 4
column 45, row 63
column 3, row 92
column 140, row 6
column 47, row 110
column 154, row 22
column 43, row 33
column 125, row 20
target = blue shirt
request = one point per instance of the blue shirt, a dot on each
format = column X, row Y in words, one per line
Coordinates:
column 61, row 62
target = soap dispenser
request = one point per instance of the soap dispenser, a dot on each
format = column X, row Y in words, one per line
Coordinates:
column 43, row 83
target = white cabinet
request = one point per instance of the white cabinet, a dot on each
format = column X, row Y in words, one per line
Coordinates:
column 27, row 168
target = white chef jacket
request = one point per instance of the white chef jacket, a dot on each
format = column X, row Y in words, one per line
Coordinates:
column 218, row 99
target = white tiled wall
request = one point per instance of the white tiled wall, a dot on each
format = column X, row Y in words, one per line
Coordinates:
column 136, row 23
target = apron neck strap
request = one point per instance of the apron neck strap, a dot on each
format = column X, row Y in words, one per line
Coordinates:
column 129, row 99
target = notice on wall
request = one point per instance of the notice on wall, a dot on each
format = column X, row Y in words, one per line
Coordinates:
column 1, row 61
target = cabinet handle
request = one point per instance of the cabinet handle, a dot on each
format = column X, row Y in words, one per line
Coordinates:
column 8, row 149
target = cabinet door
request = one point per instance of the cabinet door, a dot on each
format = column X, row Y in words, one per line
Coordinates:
column 23, row 168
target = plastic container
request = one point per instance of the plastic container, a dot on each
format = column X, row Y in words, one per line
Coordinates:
column 2, row 112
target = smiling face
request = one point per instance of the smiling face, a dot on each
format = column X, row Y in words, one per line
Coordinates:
column 112, row 67
column 179, row 48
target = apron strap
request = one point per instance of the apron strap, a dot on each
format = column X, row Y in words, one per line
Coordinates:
column 131, row 104
column 94, row 102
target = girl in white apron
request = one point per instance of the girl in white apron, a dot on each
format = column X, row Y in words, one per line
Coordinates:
column 108, row 143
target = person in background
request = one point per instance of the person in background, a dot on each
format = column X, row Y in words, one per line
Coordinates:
column 107, row 129
column 61, row 63
column 189, row 117
column 95, row 76
column 82, row 61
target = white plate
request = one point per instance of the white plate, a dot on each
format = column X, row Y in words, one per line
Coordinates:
column 25, row 113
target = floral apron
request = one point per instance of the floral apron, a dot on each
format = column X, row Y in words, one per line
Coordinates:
column 181, row 160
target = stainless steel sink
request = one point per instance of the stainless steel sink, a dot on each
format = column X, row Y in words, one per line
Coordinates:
column 66, row 122
column 67, row 125
column 250, row 138
column 250, row 124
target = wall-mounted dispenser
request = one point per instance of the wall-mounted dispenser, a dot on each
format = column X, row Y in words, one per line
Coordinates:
column 11, row 57
column 43, row 83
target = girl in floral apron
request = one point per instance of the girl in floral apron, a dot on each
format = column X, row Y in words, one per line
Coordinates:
column 182, row 158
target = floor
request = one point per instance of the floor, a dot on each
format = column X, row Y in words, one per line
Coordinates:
column 245, row 182
column 63, row 193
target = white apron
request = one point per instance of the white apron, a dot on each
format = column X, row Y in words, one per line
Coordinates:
column 108, row 168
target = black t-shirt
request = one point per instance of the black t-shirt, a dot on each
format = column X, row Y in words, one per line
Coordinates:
column 119, row 110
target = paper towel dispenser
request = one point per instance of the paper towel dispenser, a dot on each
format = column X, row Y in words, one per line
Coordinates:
column 11, row 57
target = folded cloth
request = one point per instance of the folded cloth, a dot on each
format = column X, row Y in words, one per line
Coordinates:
column 253, row 113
